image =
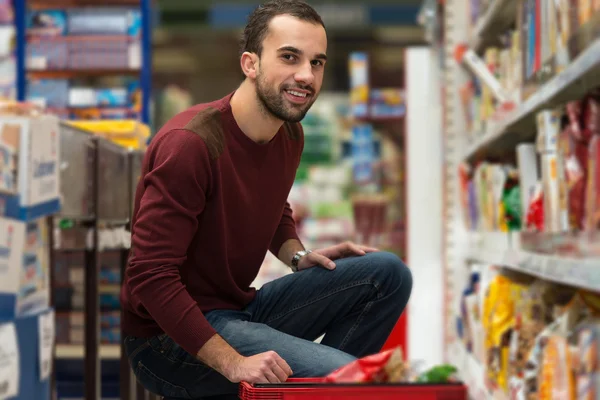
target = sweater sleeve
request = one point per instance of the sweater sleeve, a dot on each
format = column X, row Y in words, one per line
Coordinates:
column 166, row 222
column 285, row 231
column 287, row 225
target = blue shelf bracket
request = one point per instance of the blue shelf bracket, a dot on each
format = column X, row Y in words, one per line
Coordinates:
column 146, row 72
column 20, row 9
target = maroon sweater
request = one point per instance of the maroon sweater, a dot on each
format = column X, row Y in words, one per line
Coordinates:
column 209, row 204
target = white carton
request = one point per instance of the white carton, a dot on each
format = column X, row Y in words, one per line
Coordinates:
column 24, row 266
column 12, row 243
column 29, row 162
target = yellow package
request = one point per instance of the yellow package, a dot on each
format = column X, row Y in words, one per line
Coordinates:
column 498, row 322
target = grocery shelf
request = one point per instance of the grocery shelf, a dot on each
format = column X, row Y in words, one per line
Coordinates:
column 577, row 267
column 78, row 73
column 519, row 124
column 52, row 4
column 75, row 351
column 499, row 16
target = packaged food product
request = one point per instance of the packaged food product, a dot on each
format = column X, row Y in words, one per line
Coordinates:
column 498, row 322
column 557, row 381
column 535, row 211
column 592, row 207
column 588, row 369
column 573, row 155
column 386, row 366
column 590, row 120
column 574, row 111
column 511, row 203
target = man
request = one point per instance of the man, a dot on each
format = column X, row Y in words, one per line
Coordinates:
column 211, row 202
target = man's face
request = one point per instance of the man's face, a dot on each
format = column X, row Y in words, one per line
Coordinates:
column 290, row 72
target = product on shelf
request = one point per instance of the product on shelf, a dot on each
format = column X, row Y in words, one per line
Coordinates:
column 131, row 134
column 592, row 207
column 30, row 151
column 588, row 370
column 94, row 37
column 491, row 198
column 556, row 217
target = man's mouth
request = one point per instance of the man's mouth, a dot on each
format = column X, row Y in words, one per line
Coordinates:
column 298, row 96
column 297, row 93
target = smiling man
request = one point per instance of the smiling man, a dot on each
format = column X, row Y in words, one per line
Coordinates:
column 211, row 202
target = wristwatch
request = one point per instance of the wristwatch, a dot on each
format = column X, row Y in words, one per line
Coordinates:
column 297, row 257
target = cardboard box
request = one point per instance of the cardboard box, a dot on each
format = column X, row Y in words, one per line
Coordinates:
column 29, row 162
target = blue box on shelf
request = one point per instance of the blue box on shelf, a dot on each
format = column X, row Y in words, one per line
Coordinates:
column 27, row 348
column 104, row 21
column 113, row 97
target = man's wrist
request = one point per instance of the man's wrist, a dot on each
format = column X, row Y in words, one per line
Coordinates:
column 297, row 257
column 288, row 250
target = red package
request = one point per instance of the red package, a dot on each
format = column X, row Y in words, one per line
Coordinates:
column 387, row 366
column 535, row 211
column 574, row 112
column 592, row 209
column 573, row 155
column 591, row 120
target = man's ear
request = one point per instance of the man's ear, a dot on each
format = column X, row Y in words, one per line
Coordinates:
column 249, row 62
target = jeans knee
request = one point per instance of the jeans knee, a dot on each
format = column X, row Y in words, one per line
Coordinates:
column 391, row 272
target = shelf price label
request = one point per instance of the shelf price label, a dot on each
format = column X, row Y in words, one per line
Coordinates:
column 46, row 343
column 9, row 362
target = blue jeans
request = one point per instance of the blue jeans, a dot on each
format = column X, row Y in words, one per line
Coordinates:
column 356, row 306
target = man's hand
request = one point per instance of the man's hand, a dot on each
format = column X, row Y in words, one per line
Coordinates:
column 266, row 367
column 261, row 368
column 325, row 257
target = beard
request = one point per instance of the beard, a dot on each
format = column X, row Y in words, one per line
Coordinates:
column 274, row 102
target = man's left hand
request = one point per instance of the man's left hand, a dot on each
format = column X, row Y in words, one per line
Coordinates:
column 325, row 257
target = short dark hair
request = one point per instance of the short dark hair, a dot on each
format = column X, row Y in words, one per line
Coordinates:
column 258, row 22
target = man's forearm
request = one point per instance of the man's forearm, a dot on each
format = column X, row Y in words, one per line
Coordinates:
column 219, row 355
column 288, row 249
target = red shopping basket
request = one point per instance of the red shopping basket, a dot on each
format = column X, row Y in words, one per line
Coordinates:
column 317, row 389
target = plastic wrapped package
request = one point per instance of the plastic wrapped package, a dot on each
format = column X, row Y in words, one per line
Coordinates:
column 76, row 172
column 113, row 181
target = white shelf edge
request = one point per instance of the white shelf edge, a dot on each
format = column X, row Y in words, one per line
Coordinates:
column 484, row 22
column 73, row 351
column 587, row 60
column 493, row 248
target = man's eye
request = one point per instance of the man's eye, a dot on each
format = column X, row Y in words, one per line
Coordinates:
column 317, row 63
column 289, row 57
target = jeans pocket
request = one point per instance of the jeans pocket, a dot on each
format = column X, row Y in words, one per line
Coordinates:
column 157, row 385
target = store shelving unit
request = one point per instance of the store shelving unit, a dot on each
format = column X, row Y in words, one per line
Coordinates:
column 144, row 73
column 571, row 259
column 519, row 125
column 97, row 186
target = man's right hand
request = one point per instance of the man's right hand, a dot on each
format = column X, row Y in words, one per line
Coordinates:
column 266, row 367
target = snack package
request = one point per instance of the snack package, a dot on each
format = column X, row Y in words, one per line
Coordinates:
column 556, row 374
column 592, row 207
column 535, row 211
column 511, row 203
column 588, row 371
column 574, row 156
column 590, row 120
column 387, row 366
column 498, row 322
